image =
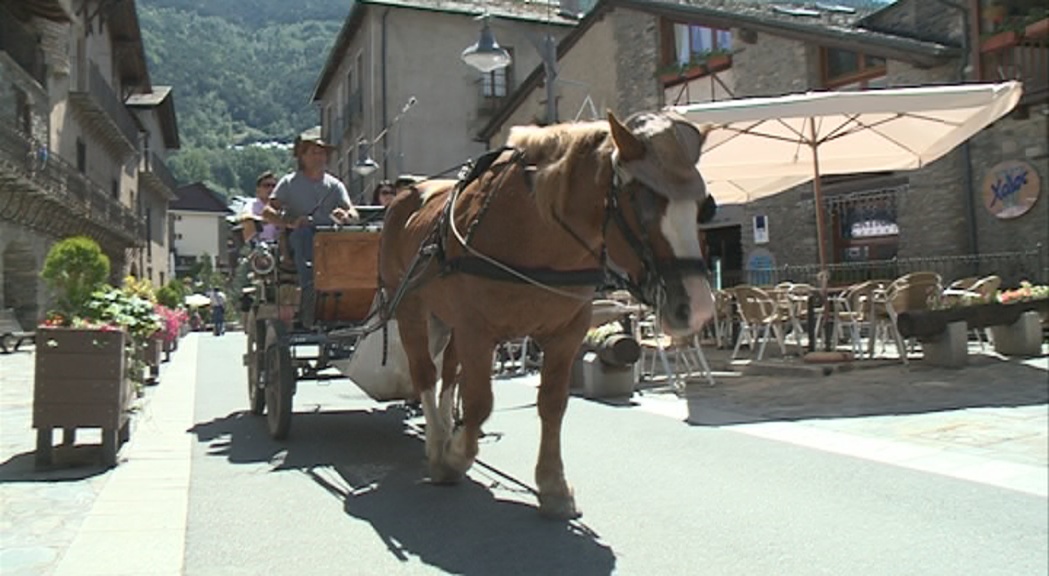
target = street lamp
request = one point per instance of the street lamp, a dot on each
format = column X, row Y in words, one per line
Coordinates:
column 487, row 56
column 365, row 165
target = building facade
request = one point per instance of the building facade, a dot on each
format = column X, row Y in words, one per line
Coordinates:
column 199, row 228
column 70, row 148
column 963, row 204
column 390, row 53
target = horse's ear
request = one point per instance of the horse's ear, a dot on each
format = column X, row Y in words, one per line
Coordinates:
column 630, row 148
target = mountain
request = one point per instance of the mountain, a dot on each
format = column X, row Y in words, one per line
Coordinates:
column 243, row 71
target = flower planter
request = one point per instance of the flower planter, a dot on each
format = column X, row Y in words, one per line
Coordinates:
column 81, row 381
column 152, row 350
column 999, row 41
column 1036, row 29
column 931, row 323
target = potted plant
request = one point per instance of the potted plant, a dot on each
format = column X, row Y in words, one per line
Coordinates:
column 81, row 362
column 123, row 307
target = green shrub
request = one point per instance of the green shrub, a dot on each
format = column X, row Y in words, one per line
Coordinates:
column 75, row 268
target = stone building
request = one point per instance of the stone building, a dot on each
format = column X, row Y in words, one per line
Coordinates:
column 392, row 52
column 72, row 151
column 641, row 55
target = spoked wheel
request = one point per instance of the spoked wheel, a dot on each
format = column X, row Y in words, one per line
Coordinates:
column 255, row 360
column 280, row 380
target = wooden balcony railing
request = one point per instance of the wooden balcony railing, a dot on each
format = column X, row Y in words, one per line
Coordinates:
column 103, row 108
column 1019, row 54
column 30, row 168
column 155, row 168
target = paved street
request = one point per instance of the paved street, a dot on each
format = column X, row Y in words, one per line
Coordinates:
column 884, row 471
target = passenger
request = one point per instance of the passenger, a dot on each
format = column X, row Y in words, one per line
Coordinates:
column 304, row 199
column 255, row 229
column 383, row 194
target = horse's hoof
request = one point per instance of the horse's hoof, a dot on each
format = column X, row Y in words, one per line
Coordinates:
column 441, row 473
column 559, row 507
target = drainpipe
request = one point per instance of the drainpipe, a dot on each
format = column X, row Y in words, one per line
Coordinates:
column 385, row 13
column 967, row 170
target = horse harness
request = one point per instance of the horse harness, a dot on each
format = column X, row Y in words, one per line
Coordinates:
column 649, row 289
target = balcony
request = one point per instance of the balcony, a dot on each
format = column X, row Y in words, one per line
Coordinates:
column 154, row 173
column 1021, row 53
column 36, row 184
column 23, row 46
column 104, row 112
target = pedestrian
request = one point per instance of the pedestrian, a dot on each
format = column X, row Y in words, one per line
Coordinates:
column 218, row 312
column 304, row 199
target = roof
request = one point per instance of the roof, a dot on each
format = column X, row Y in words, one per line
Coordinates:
column 197, row 197
column 545, row 11
column 124, row 30
column 161, row 99
column 834, row 28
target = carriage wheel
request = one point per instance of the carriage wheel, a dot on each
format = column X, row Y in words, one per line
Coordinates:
column 280, row 381
column 256, row 363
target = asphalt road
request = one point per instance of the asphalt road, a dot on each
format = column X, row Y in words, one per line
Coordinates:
column 346, row 494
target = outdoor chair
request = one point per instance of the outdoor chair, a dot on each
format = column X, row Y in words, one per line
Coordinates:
column 909, row 293
column 759, row 317
column 982, row 291
column 12, row 335
column 686, row 353
column 856, row 308
column 723, row 317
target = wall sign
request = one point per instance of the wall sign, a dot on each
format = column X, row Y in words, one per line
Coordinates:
column 1010, row 189
column 761, row 229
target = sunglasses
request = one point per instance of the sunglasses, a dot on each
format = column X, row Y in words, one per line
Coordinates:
column 387, row 193
column 269, row 184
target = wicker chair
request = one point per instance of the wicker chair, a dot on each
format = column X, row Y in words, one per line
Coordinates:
column 759, row 316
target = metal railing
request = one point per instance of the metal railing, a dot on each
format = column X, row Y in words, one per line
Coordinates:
column 1012, row 267
column 102, row 94
column 1021, row 54
column 23, row 46
column 64, row 185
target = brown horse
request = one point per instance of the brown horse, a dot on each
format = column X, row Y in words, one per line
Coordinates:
column 519, row 250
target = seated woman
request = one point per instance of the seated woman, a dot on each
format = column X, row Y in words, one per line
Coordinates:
column 383, row 193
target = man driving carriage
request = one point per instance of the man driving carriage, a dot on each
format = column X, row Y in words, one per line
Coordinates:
column 303, row 200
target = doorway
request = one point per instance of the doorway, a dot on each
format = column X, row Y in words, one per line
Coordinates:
column 724, row 245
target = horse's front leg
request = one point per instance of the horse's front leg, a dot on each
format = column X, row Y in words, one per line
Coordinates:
column 556, row 499
column 414, row 326
column 475, row 388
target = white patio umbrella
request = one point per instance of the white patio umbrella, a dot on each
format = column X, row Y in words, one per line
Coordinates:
column 197, row 300
column 762, row 146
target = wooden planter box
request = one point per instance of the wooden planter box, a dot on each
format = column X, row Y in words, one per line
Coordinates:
column 1037, row 29
column 153, row 349
column 81, row 382
column 931, row 323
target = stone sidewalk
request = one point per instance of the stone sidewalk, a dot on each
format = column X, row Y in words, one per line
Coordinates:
column 988, row 422
column 79, row 518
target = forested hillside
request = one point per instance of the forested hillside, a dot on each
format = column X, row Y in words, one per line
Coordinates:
column 243, row 72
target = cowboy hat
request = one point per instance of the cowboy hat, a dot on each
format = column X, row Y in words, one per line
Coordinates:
column 311, row 136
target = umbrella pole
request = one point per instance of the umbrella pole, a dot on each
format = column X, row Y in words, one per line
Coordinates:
column 824, row 277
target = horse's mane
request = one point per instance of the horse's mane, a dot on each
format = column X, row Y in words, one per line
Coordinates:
column 559, row 153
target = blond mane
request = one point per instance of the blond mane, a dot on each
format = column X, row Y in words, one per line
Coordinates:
column 562, row 153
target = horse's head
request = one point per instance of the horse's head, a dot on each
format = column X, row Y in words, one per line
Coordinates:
column 654, row 210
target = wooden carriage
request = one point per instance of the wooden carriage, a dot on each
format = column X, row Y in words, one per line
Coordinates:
column 346, row 278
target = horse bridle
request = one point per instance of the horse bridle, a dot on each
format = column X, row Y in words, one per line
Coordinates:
column 651, row 287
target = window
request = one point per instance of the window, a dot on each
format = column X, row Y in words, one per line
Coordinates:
column 848, row 70
column 865, row 225
column 114, row 189
column 684, row 44
column 81, row 156
column 496, row 84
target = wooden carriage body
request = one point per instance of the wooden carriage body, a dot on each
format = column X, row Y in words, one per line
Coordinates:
column 345, row 273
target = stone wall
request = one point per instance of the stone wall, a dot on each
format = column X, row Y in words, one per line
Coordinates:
column 22, row 254
column 637, row 58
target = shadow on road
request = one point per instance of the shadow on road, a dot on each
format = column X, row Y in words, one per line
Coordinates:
column 71, row 464
column 372, row 463
column 888, row 390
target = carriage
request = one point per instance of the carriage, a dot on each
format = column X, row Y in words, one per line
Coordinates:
column 279, row 347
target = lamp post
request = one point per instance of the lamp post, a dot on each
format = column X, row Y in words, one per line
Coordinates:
column 486, row 56
column 365, row 165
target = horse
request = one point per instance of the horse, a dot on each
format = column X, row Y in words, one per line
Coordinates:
column 518, row 247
